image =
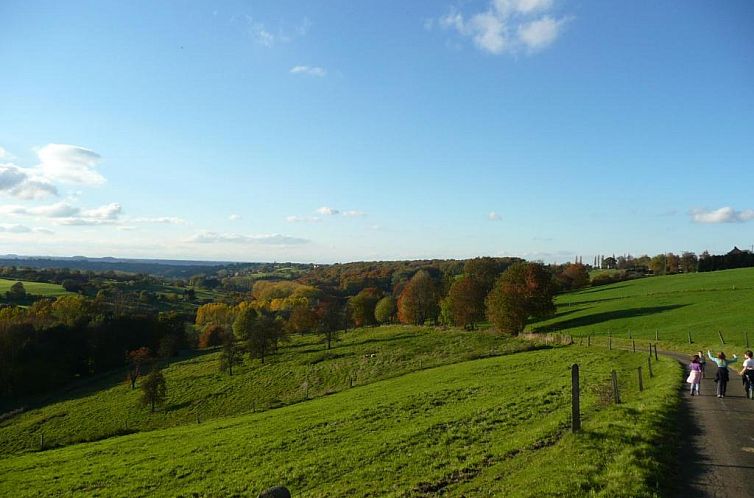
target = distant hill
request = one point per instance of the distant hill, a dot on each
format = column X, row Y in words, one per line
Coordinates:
column 159, row 267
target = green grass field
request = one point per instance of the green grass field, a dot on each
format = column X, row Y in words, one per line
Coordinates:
column 491, row 427
column 36, row 288
column 107, row 406
column 673, row 306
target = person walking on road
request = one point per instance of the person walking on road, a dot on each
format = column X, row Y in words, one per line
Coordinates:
column 695, row 374
column 722, row 376
column 702, row 362
column 747, row 374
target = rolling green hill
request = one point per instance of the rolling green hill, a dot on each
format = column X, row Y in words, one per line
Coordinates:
column 700, row 304
column 495, row 426
column 36, row 288
column 107, row 406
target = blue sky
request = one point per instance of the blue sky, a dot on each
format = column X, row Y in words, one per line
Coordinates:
column 340, row 130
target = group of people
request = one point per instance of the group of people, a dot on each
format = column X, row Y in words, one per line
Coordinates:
column 722, row 376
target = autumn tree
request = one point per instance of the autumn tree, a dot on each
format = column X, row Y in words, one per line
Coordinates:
column 672, row 263
column 218, row 314
column 384, row 310
column 212, row 335
column 658, row 264
column 72, row 310
column 524, row 290
column 419, row 300
column 154, row 389
column 302, row 320
column 484, row 270
column 362, row 305
column 137, row 361
column 331, row 319
column 465, row 302
column 577, row 275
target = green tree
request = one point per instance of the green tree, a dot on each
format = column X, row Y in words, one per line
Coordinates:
column 331, row 319
column 263, row 337
column 466, row 302
column 689, row 262
column 245, row 323
column 362, row 305
column 524, row 290
column 384, row 310
column 230, row 356
column 17, row 292
column 154, row 390
column 658, row 264
column 484, row 270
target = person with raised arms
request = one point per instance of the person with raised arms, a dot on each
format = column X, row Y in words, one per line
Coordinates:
column 722, row 376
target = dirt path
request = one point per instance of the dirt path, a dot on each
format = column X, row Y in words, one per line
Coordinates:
column 718, row 450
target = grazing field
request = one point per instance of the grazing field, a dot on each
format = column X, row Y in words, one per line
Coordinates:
column 107, row 407
column 491, row 427
column 36, row 288
column 699, row 304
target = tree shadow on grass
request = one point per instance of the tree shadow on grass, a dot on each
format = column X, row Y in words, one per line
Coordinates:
column 597, row 318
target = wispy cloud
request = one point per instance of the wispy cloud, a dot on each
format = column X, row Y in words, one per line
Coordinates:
column 265, row 239
column 234, row 217
column 303, row 219
column 309, row 71
column 268, row 37
column 493, row 216
column 722, row 215
column 14, row 228
column 353, row 213
column 506, row 26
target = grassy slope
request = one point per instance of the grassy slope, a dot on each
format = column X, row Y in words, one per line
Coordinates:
column 699, row 303
column 36, row 288
column 467, row 428
column 107, row 407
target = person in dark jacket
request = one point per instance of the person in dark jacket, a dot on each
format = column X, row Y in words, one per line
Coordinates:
column 722, row 376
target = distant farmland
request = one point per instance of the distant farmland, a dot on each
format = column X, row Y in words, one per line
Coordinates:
column 36, row 288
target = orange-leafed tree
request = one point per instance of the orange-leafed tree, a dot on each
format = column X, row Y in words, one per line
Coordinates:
column 419, row 300
column 524, row 290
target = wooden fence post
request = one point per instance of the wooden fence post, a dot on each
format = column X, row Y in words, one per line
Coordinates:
column 633, row 345
column 609, row 341
column 641, row 381
column 656, row 358
column 689, row 334
column 649, row 367
column 575, row 405
column 657, row 335
column 616, row 394
column 589, row 340
column 722, row 341
column 41, row 441
column 350, row 381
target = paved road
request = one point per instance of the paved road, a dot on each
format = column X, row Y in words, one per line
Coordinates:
column 718, row 457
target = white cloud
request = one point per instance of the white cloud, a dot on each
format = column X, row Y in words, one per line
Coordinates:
column 309, row 71
column 507, row 26
column 24, row 183
column 234, row 217
column 5, row 155
column 493, row 216
column 538, row 34
column 266, row 239
column 69, row 164
column 327, row 211
column 722, row 215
